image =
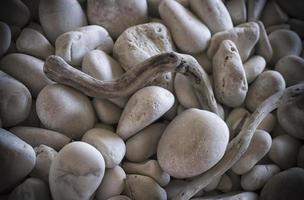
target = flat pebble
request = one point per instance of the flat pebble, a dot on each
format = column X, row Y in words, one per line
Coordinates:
column 230, row 83
column 106, row 111
column 31, row 188
column 244, row 36
column 287, row 184
column 72, row 114
column 143, row 187
column 109, row 144
column 143, row 108
column 76, row 172
column 15, row 101
column 184, row 92
column 266, row 84
column 284, row 43
column 259, row 146
column 113, row 183
column 34, row 43
column 253, row 67
column 189, row 33
column 272, row 14
column 237, row 10
column 213, row 13
column 258, row 176
column 72, row 46
column 55, row 19
column 5, row 38
column 284, row 151
column 263, row 47
column 36, row 136
column 17, row 160
column 27, row 69
column 149, row 168
column 124, row 14
column 100, row 65
column 254, row 9
column 44, row 158
column 292, row 69
column 183, row 153
column 14, row 12
column 144, row 144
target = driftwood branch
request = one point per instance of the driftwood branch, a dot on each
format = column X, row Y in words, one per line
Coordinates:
column 58, row 70
column 238, row 146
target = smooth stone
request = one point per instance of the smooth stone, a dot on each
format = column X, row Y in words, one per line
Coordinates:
column 37, row 136
column 132, row 46
column 273, row 28
column 143, row 187
column 258, row 176
column 79, row 178
column 297, row 26
column 254, row 9
column 106, row 111
column 27, row 69
column 292, row 8
column 32, row 119
column 290, row 117
column 184, row 92
column 236, row 119
column 232, row 196
column 5, row 38
column 100, row 65
column 237, row 10
column 229, row 78
column 123, row 14
column 104, row 126
column 172, row 112
column 72, row 114
column 253, row 67
column 33, row 43
column 153, row 6
column 15, row 101
column 55, row 19
column 144, row 144
column 148, row 168
column 14, row 12
column 119, row 197
column 17, row 160
column 204, row 61
column 174, row 187
column 186, row 155
column 266, row 84
column 225, row 184
column 268, row 123
column 292, row 69
column 284, row 151
column 112, row 183
column 284, row 43
column 244, row 36
column 44, row 158
column 213, row 13
column 31, row 188
column 213, row 184
column 72, row 46
column 189, row 34
column 109, row 144
column 259, row 146
column 33, row 6
column 300, row 159
column 143, row 108
column 263, row 47
column 284, row 185
column 272, row 14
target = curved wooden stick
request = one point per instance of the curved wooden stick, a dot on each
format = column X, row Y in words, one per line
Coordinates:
column 238, row 146
column 58, row 70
